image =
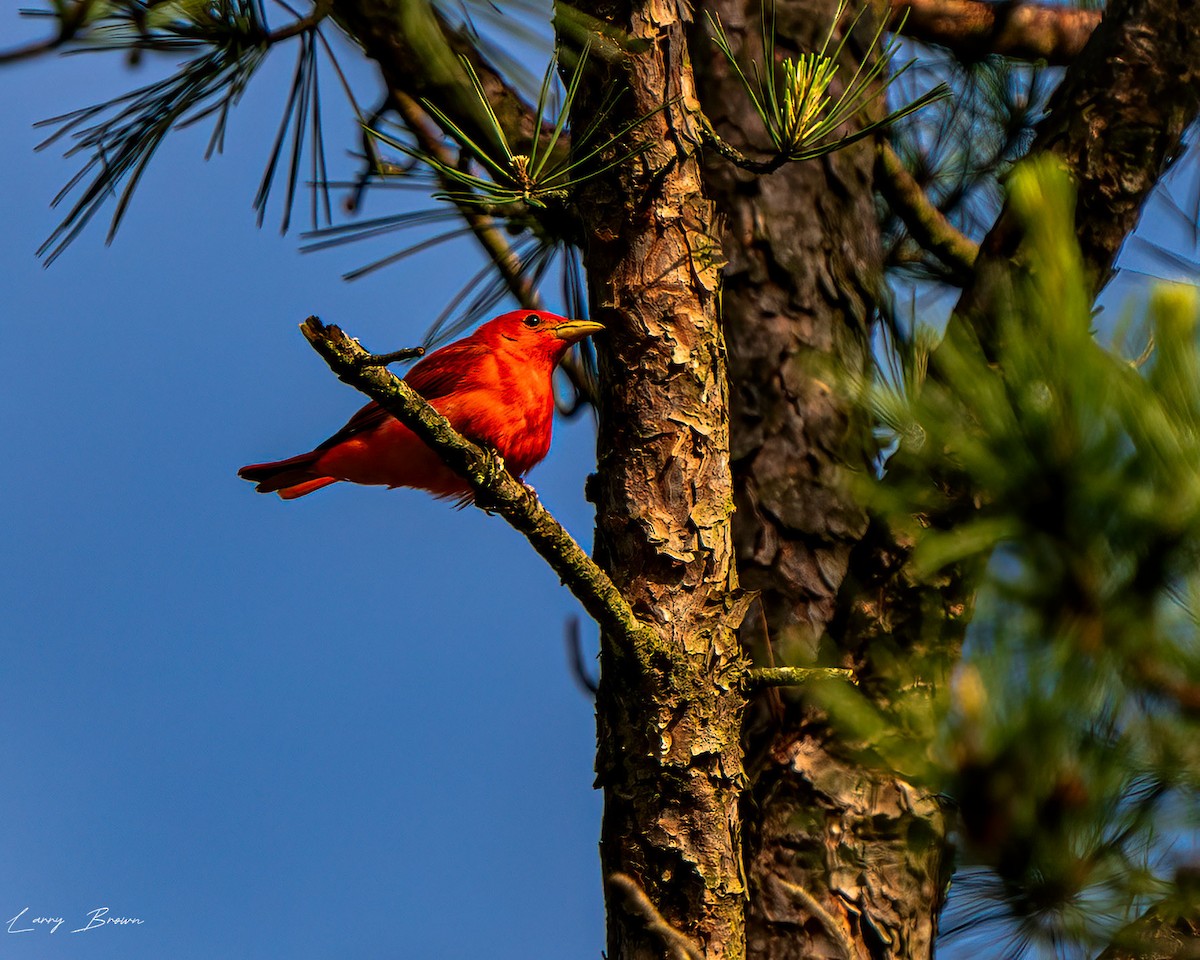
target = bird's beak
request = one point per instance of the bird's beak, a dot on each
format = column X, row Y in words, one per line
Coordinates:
column 575, row 330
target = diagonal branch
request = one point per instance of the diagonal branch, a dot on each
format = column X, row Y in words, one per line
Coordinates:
column 36, row 47
column 487, row 231
column 1119, row 117
column 636, row 902
column 496, row 489
column 926, row 224
column 70, row 21
column 972, row 29
column 417, row 57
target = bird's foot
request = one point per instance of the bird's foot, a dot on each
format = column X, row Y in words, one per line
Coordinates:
column 491, row 471
column 493, row 468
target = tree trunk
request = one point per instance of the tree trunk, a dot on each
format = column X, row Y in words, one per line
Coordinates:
column 841, row 858
column 669, row 712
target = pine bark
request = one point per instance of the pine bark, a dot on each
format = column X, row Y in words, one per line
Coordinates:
column 669, row 708
column 805, row 267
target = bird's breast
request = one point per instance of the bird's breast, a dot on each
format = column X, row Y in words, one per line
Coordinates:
column 512, row 411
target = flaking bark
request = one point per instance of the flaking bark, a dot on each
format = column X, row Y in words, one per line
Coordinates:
column 868, row 849
column 669, row 712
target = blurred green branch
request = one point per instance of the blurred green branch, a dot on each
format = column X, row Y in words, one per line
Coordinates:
column 926, row 224
column 1070, row 729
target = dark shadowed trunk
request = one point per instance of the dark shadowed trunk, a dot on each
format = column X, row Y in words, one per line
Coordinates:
column 804, row 272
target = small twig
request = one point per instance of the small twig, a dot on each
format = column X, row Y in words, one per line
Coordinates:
column 638, row 904
column 735, row 156
column 773, row 697
column 373, row 165
column 496, row 490
column 319, row 12
column 926, row 224
column 69, row 23
column 575, row 652
column 818, row 912
column 35, row 48
column 794, row 676
column 486, row 230
column 383, row 359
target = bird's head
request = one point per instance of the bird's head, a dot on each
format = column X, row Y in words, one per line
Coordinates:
column 536, row 333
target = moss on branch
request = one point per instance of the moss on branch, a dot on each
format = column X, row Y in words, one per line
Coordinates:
column 794, row 676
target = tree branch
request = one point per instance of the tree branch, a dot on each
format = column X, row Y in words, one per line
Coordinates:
column 735, row 156
column 489, row 234
column 1168, row 930
column 1119, row 116
column 421, row 63
column 72, row 20
column 972, row 29
column 35, row 48
column 300, row 25
column 926, row 224
column 418, row 56
column 1117, row 122
column 495, row 488
column 759, row 677
column 69, row 22
column 574, row 643
column 637, row 903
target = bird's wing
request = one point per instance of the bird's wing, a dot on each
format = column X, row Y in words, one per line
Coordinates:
column 444, row 371
column 437, row 375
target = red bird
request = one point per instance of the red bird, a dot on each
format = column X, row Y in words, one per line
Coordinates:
column 495, row 387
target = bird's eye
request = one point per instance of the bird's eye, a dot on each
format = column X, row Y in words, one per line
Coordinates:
column 532, row 320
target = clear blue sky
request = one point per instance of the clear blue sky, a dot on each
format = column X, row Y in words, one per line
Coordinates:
column 343, row 726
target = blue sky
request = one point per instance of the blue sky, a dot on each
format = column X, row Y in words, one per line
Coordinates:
column 343, row 726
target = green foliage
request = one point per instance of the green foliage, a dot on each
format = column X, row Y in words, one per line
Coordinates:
column 1070, row 479
column 224, row 42
column 534, row 177
column 795, row 105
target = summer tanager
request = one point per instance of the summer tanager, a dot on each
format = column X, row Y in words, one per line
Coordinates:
column 495, row 387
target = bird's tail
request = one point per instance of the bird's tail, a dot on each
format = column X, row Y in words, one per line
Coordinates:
column 289, row 478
